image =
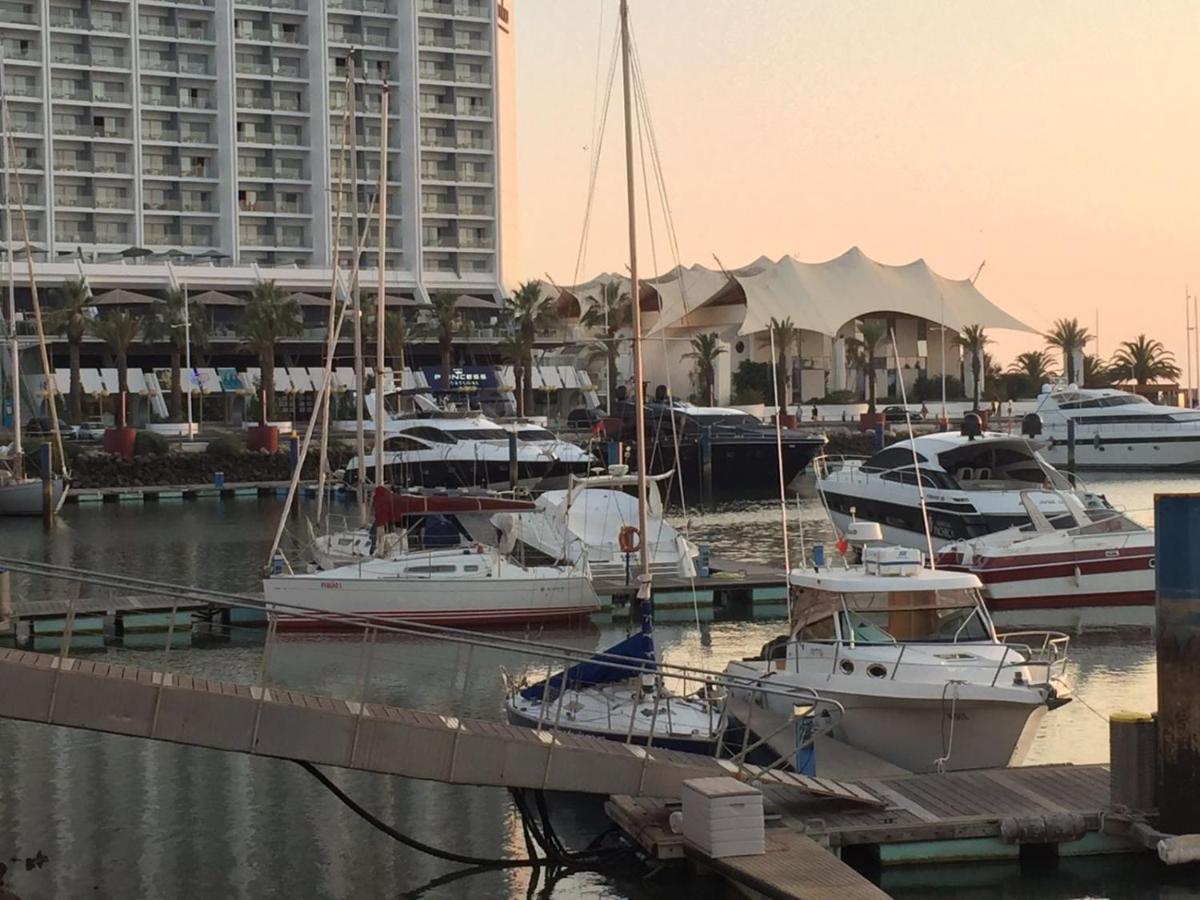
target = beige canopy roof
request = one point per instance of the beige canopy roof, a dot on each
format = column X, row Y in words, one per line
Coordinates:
column 825, row 296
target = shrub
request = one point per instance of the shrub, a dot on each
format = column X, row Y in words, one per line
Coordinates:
column 150, row 443
column 752, row 382
column 226, row 446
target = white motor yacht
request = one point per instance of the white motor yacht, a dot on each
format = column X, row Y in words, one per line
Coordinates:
column 913, row 657
column 1117, row 430
column 1097, row 572
column 586, row 520
column 970, row 485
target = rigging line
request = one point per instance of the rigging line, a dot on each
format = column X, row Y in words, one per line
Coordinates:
column 594, row 165
column 656, row 160
column 596, row 75
column 787, row 556
column 642, row 112
column 913, row 446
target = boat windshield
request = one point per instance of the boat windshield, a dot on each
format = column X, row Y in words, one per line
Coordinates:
column 890, row 617
column 535, row 434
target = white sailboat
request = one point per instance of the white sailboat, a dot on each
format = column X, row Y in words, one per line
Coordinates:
column 20, row 495
column 627, row 701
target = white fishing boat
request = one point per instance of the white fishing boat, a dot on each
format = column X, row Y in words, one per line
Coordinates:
column 965, row 485
column 1098, row 571
column 589, row 519
column 914, row 658
column 443, row 572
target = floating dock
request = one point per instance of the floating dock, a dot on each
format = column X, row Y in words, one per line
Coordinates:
column 732, row 590
column 165, row 492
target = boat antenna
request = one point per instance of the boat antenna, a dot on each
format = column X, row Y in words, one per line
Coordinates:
column 11, row 311
column 912, row 444
column 638, row 375
column 787, row 556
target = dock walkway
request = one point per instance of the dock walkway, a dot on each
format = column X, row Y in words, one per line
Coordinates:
column 119, row 699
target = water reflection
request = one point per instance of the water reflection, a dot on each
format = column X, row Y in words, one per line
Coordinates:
column 121, row 817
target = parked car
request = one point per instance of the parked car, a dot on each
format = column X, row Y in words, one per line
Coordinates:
column 899, row 414
column 90, row 430
column 583, row 419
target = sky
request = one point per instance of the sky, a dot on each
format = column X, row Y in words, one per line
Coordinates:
column 1058, row 142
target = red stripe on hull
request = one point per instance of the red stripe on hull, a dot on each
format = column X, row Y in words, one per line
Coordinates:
column 1071, row 601
column 1017, row 569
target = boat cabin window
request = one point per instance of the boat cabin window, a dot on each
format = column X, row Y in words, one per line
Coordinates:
column 430, row 434
column 909, row 476
column 893, row 458
column 480, row 434
column 400, row 444
column 1099, row 402
column 535, row 434
column 430, row 570
column 888, row 617
column 987, row 464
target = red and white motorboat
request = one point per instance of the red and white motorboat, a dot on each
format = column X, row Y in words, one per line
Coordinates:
column 1096, row 572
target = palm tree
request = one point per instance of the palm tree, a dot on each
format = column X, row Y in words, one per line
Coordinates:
column 706, row 348
column 1143, row 360
column 1070, row 337
column 612, row 311
column 166, row 324
column 271, row 315
column 515, row 349
column 395, row 330
column 119, row 329
column 973, row 340
column 781, row 333
column 1096, row 372
column 863, row 350
column 445, row 324
column 530, row 312
column 1036, row 365
column 69, row 318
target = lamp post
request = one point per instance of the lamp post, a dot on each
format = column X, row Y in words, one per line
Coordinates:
column 187, row 355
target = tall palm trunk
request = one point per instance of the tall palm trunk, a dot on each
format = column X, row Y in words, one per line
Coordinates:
column 176, row 384
column 708, row 388
column 612, row 372
column 76, row 400
column 122, row 389
column 519, row 378
column 444, row 345
column 975, row 381
column 781, row 380
column 268, row 386
column 527, row 403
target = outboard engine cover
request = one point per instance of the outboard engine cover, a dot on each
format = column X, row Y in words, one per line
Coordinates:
column 972, row 427
column 1031, row 425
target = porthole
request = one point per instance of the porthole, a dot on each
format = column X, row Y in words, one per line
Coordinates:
column 740, row 346
column 876, row 670
column 847, row 667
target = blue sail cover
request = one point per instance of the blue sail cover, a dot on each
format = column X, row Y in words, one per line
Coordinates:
column 636, row 651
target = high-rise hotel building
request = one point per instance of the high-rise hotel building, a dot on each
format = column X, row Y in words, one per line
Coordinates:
column 217, row 128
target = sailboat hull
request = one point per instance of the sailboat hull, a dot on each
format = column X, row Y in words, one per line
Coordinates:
column 24, row 498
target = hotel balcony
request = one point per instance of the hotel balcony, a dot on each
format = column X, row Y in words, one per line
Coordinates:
column 367, row 7
column 77, row 20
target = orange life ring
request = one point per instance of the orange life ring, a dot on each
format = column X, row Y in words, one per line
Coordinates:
column 630, row 539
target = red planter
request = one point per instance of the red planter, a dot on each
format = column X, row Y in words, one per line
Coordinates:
column 787, row 421
column 262, row 437
column 120, row 441
column 867, row 422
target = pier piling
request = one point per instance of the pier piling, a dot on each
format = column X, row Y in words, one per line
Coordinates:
column 6, row 609
column 47, row 464
column 1177, row 611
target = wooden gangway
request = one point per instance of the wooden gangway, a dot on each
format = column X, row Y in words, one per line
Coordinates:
column 273, row 722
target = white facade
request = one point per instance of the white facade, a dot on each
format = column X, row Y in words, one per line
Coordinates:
column 218, row 125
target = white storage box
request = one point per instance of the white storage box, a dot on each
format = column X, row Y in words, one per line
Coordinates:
column 892, row 560
column 723, row 817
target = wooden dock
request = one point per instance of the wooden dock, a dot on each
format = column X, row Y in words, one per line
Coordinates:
column 733, row 589
column 958, row 816
column 168, row 492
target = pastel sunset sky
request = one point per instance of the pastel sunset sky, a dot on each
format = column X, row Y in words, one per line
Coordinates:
column 1057, row 141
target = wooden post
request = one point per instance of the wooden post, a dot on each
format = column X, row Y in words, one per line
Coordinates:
column 706, row 467
column 1070, row 444
column 5, row 599
column 1133, row 761
column 47, row 464
column 513, row 470
column 1177, row 615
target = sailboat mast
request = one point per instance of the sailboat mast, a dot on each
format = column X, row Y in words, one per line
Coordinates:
column 638, row 376
column 11, row 312
column 380, row 362
column 360, row 444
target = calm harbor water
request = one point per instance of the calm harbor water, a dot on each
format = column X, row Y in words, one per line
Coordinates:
column 121, row 817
